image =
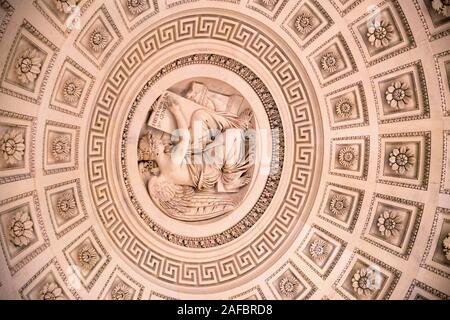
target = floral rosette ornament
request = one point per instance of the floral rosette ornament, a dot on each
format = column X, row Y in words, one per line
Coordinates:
column 442, row 7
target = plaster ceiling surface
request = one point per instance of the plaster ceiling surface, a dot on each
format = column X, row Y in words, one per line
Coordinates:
column 343, row 187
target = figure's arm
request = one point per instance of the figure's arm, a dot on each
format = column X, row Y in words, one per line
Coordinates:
column 180, row 150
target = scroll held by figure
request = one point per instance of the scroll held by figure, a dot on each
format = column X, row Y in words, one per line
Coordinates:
column 196, row 153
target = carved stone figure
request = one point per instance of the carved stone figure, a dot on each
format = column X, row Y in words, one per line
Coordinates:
column 200, row 147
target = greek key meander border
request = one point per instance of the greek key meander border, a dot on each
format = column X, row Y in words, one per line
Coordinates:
column 247, row 258
column 271, row 184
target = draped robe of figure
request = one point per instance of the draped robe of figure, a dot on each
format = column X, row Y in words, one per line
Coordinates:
column 217, row 161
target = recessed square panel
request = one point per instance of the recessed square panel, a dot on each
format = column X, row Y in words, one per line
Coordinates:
column 404, row 159
column 434, row 17
column 49, row 283
column 121, row 286
column 61, row 147
column 23, row 236
column 333, row 61
column 269, row 8
column 349, row 157
column 88, row 256
column 341, row 206
column 421, row 291
column 134, row 13
column 347, row 107
column 445, row 171
column 442, row 63
column 254, row 293
column 401, row 94
column 99, row 38
column 437, row 253
column 17, row 134
column 65, row 16
column 72, row 89
column 307, row 21
column 290, row 283
column 393, row 224
column 343, row 7
column 321, row 250
column 366, row 278
column 28, row 65
column 66, row 206
column 382, row 32
column 6, row 11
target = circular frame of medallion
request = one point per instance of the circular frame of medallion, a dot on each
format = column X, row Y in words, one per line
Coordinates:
column 275, row 236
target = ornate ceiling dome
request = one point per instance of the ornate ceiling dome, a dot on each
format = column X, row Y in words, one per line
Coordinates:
column 228, row 149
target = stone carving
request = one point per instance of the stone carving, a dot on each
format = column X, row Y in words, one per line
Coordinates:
column 442, row 7
column 51, row 291
column 401, row 160
column 398, row 95
column 388, row 25
column 28, row 66
column 380, row 33
column 341, row 207
column 344, row 108
column 446, row 246
column 363, row 282
column 137, row 6
column 269, row 3
column 12, row 146
column 198, row 175
column 347, row 156
column 318, row 249
column 289, row 286
column 61, row 148
column 66, row 205
column 72, row 90
column 304, row 23
column 65, row 5
column 99, row 39
column 121, row 292
column 389, row 223
column 88, row 257
column 329, row 62
column 338, row 204
column 21, row 229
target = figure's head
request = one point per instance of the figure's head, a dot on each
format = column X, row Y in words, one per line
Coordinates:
column 195, row 92
column 158, row 143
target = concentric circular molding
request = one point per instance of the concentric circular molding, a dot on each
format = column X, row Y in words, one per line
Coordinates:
column 361, row 111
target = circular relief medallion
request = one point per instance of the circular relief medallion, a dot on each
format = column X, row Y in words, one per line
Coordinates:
column 205, row 153
column 196, row 152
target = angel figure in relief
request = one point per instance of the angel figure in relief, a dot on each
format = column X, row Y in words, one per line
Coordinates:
column 205, row 162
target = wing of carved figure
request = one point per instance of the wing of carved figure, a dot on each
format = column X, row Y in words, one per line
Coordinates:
column 184, row 203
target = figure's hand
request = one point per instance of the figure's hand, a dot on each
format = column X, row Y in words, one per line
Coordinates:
column 172, row 104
